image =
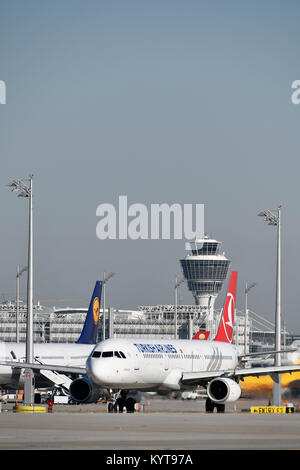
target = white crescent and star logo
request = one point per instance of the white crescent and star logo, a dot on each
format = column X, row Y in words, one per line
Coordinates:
column 229, row 319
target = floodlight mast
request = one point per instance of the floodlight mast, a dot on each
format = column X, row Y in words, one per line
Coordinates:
column 247, row 289
column 275, row 220
column 177, row 284
column 29, row 335
column 19, row 273
column 26, row 191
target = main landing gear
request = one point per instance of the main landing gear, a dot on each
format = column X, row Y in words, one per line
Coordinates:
column 210, row 406
column 121, row 403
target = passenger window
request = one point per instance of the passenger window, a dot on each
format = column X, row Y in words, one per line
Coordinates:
column 107, row 354
column 96, row 354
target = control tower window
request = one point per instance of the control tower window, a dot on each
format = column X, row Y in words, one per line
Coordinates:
column 205, row 248
column 205, row 269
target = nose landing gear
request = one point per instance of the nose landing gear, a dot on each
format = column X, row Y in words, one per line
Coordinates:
column 121, row 403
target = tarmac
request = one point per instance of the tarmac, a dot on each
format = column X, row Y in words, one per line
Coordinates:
column 165, row 425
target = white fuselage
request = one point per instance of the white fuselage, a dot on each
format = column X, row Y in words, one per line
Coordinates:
column 64, row 354
column 155, row 364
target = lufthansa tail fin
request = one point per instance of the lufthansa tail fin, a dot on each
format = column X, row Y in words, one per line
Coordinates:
column 90, row 327
column 225, row 331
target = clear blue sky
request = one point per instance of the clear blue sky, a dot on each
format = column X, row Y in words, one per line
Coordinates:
column 162, row 101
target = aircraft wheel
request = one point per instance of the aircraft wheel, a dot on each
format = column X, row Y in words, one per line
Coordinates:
column 220, row 408
column 120, row 405
column 110, row 407
column 130, row 402
column 209, row 406
column 115, row 408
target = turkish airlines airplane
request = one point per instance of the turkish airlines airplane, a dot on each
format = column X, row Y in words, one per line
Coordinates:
column 128, row 365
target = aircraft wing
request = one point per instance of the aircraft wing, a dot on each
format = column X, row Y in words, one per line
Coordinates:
column 202, row 378
column 52, row 367
column 266, row 353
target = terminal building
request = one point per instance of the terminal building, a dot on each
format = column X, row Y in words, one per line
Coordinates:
column 205, row 269
column 157, row 321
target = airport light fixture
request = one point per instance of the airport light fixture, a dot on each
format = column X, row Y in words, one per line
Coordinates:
column 275, row 220
column 106, row 278
column 26, row 191
column 19, row 273
column 247, row 289
column 177, row 284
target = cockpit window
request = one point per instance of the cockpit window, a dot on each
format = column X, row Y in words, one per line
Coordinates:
column 107, row 354
column 118, row 354
column 96, row 354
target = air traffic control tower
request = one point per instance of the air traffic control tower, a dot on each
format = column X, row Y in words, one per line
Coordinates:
column 205, row 270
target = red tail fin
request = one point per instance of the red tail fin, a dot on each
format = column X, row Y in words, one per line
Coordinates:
column 225, row 331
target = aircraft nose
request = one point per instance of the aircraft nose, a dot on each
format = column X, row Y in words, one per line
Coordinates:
column 96, row 370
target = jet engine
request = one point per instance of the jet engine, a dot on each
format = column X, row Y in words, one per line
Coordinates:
column 223, row 390
column 83, row 390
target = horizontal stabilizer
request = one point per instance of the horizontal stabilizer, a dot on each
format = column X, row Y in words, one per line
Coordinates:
column 201, row 335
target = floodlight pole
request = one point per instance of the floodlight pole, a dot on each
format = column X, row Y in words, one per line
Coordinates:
column 177, row 284
column 247, row 288
column 19, row 272
column 25, row 191
column 29, row 334
column 276, row 221
column 277, row 384
column 17, row 303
